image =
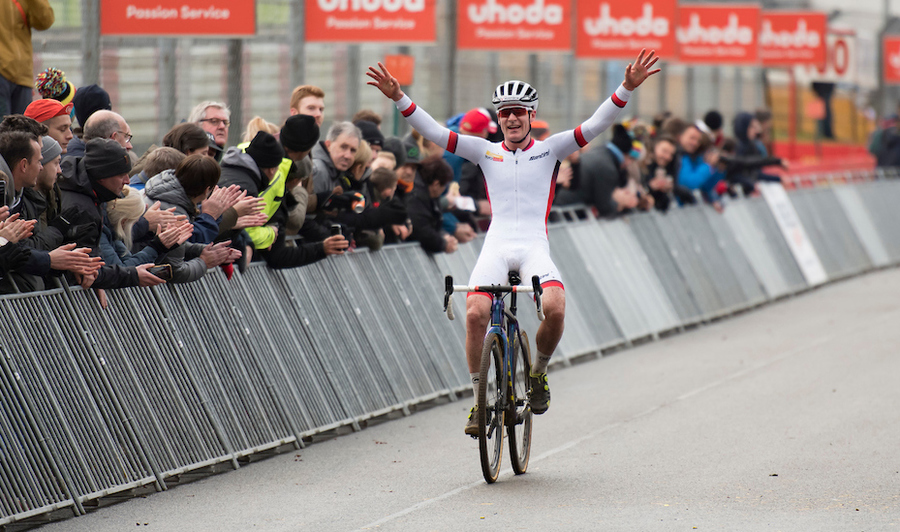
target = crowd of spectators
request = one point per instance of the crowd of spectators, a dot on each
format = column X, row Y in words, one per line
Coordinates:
column 668, row 163
column 80, row 207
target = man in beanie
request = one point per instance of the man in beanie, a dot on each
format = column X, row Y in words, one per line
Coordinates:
column 87, row 101
column 261, row 169
column 41, row 201
column 371, row 134
column 87, row 184
column 604, row 178
column 16, row 61
column 299, row 135
column 55, row 116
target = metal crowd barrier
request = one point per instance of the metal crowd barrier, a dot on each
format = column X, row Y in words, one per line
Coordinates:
column 175, row 378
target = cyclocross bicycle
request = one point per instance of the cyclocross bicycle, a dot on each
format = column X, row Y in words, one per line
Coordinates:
column 503, row 386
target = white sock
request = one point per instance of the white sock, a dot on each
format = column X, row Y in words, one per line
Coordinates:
column 475, row 378
column 540, row 365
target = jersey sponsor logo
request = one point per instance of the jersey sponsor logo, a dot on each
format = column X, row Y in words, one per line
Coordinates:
column 539, row 156
column 493, row 157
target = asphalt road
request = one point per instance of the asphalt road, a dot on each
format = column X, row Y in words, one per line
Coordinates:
column 784, row 418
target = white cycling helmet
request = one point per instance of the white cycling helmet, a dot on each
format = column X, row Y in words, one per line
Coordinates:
column 515, row 93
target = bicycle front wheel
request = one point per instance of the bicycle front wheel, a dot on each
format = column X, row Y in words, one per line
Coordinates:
column 519, row 417
column 491, row 410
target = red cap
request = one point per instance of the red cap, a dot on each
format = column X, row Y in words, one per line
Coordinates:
column 475, row 121
column 43, row 110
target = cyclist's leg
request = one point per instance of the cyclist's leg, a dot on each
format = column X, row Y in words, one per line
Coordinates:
column 478, row 314
column 551, row 329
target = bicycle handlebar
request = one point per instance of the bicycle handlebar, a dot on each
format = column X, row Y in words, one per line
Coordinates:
column 450, row 288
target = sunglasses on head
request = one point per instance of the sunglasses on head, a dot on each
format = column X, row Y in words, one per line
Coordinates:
column 517, row 111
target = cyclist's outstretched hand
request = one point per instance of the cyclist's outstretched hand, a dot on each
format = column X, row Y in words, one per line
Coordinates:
column 385, row 82
column 637, row 72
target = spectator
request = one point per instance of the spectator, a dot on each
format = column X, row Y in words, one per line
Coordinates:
column 332, row 159
column 368, row 115
column 298, row 136
column 115, row 238
column 87, row 184
column 540, row 129
column 408, row 158
column 178, row 187
column 55, row 116
column 372, row 135
column 696, row 171
column 193, row 182
column 107, row 125
column 767, row 131
column 154, row 162
column 88, row 100
column 750, row 154
column 660, row 174
column 16, row 61
column 308, row 100
column 52, row 84
column 711, row 126
column 424, row 208
column 22, row 124
column 257, row 124
column 384, row 185
column 385, row 159
column 604, row 178
column 188, row 138
column 41, row 202
column 213, row 117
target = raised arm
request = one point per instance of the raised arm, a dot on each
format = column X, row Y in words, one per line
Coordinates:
column 465, row 146
column 566, row 142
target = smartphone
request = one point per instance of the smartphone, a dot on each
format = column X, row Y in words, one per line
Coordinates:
column 2, row 192
column 336, row 229
column 163, row 271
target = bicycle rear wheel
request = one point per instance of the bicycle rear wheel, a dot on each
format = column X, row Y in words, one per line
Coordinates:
column 519, row 418
column 491, row 411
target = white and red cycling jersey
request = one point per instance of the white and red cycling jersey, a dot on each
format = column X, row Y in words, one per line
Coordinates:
column 520, row 185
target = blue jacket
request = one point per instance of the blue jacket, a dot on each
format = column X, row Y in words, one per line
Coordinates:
column 695, row 174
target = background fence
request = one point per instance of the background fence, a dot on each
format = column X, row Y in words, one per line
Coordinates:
column 176, row 378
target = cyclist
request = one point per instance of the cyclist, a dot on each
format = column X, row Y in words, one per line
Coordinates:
column 520, row 175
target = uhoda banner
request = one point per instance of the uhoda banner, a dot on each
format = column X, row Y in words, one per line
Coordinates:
column 370, row 20
column 793, row 38
column 514, row 24
column 718, row 34
column 619, row 30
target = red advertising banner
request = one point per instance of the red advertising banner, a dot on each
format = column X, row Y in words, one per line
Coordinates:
column 718, row 34
column 514, row 24
column 178, row 17
column 619, row 30
column 892, row 59
column 370, row 20
column 792, row 38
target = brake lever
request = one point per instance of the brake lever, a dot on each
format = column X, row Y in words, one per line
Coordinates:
column 538, row 291
column 448, row 296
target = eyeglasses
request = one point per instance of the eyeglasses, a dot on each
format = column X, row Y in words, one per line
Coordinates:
column 217, row 121
column 519, row 112
column 128, row 136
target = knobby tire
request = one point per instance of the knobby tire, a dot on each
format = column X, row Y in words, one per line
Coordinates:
column 491, row 414
column 519, row 417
